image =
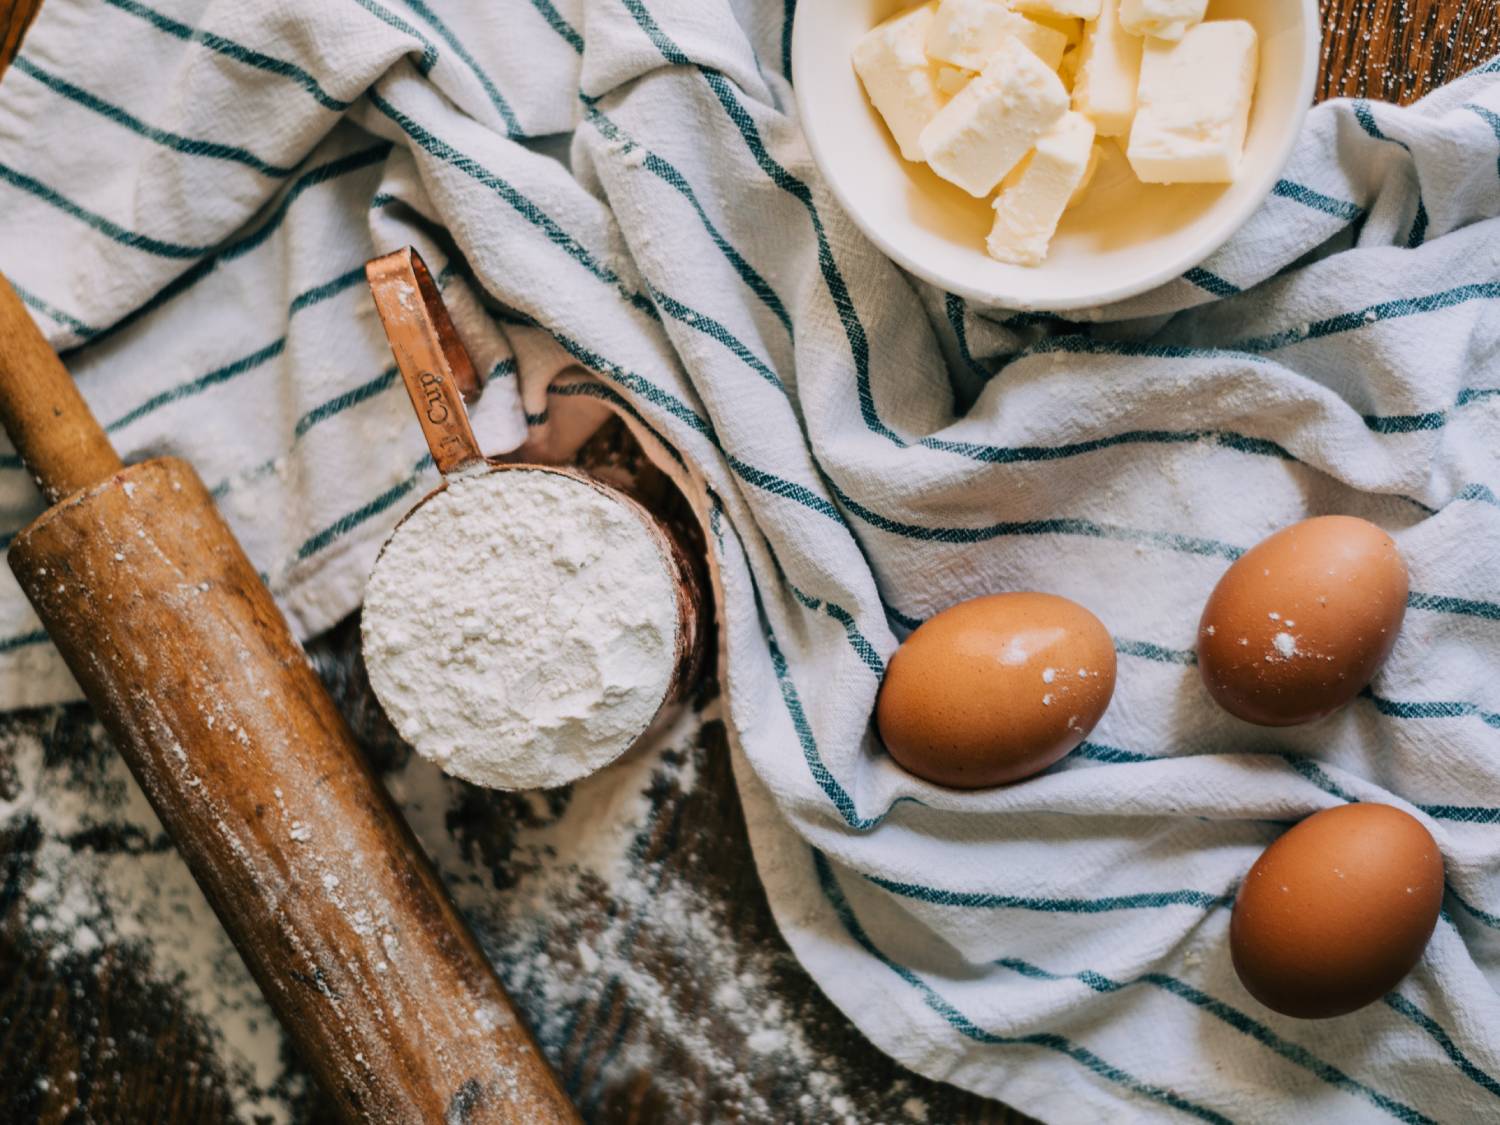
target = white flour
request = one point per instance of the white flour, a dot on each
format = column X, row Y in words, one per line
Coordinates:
column 520, row 629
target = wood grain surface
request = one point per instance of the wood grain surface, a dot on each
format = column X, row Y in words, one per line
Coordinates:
column 1397, row 50
column 100, row 1039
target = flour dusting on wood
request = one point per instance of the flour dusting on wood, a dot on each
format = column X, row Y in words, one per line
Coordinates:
column 608, row 908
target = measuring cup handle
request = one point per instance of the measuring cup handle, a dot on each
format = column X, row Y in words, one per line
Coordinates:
column 433, row 362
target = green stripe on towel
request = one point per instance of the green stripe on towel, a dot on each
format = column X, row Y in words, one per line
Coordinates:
column 230, row 49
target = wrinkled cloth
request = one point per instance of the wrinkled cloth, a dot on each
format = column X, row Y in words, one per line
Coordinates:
column 622, row 211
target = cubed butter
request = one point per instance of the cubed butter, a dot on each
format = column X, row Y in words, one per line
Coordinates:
column 1070, row 28
column 967, row 33
column 1067, row 70
column 990, row 124
column 1071, row 9
column 1095, row 152
column 1195, row 97
column 1109, row 68
column 892, row 62
column 1028, row 210
column 1165, row 19
column 951, row 80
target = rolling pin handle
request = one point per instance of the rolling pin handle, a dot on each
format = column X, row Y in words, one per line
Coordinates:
column 168, row 628
column 52, row 428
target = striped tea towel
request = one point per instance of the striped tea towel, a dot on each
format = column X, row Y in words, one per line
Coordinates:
column 616, row 191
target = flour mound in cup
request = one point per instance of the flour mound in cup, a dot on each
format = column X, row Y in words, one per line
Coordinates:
column 520, row 628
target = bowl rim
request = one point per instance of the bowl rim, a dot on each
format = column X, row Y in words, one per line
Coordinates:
column 692, row 621
column 1229, row 226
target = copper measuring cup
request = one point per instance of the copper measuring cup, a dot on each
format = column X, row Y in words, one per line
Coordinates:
column 440, row 378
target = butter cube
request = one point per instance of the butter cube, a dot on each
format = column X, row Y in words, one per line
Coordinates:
column 967, row 33
column 1069, row 27
column 1028, row 210
column 990, row 124
column 892, row 62
column 951, row 80
column 1165, row 19
column 1071, row 9
column 1067, row 70
column 1096, row 151
column 1109, row 68
column 1195, row 97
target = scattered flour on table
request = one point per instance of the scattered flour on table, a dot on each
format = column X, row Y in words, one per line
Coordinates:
column 137, row 895
column 590, row 906
column 520, row 629
column 563, row 892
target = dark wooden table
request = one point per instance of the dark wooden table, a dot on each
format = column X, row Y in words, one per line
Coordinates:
column 91, row 1034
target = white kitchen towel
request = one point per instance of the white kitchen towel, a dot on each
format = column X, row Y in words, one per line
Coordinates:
column 188, row 189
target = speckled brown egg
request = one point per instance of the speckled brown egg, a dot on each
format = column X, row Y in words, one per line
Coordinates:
column 995, row 689
column 1301, row 623
column 1337, row 911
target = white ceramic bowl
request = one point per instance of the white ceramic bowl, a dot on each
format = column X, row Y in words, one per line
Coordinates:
column 1123, row 238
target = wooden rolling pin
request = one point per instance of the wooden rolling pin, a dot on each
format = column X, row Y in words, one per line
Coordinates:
column 214, row 706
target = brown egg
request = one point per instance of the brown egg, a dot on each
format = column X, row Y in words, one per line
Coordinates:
column 1301, row 623
column 995, row 689
column 1337, row 911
